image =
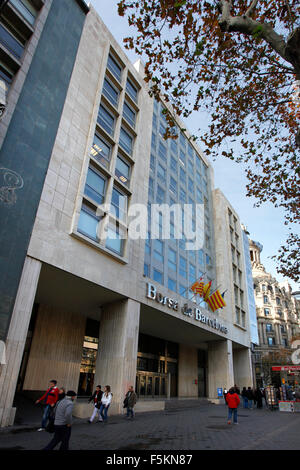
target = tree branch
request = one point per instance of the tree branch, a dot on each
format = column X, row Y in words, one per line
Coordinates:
column 251, row 8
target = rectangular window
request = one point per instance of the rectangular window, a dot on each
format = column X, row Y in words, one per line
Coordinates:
column 126, row 141
column 146, row 269
column 110, row 93
column 266, row 299
column 10, row 42
column 182, row 267
column 172, row 284
column 271, row 341
column 129, row 115
column 114, row 67
column 162, row 151
column 192, row 272
column 183, row 290
column 266, row 311
column 157, row 276
column 268, row 327
column 160, row 195
column 173, row 164
column 119, row 203
column 114, row 240
column 161, row 172
column 88, row 222
column 131, row 90
column 95, row 186
column 122, row 170
column 173, row 185
column 101, row 151
column 159, row 250
column 174, row 146
column 26, row 9
column 172, row 260
column 182, row 158
column 182, row 195
column 106, row 120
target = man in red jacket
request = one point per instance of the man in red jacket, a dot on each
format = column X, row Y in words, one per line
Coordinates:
column 233, row 401
column 49, row 399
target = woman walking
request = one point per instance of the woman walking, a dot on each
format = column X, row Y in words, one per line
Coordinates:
column 105, row 402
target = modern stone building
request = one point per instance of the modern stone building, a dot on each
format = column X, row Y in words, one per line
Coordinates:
column 85, row 300
column 278, row 318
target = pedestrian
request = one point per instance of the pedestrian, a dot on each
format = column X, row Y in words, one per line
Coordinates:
column 49, row 400
column 245, row 397
column 105, row 402
column 224, row 394
column 63, row 422
column 233, row 401
column 258, row 397
column 236, row 389
column 297, row 394
column 129, row 402
column 250, row 396
column 96, row 398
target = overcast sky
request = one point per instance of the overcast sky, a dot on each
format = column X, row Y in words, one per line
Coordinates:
column 266, row 223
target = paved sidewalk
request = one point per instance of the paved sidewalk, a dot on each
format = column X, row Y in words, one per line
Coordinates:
column 188, row 426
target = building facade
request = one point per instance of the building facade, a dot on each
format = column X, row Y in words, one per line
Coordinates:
column 92, row 294
column 278, row 318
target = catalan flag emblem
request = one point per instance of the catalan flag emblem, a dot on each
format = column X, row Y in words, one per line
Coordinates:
column 216, row 301
column 206, row 290
column 197, row 287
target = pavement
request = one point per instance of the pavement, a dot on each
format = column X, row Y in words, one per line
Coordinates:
column 185, row 425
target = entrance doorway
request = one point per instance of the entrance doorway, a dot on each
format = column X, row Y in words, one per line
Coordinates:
column 88, row 360
column 157, row 367
column 202, row 373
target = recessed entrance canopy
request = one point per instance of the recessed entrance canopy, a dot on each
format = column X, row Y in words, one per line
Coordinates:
column 163, row 325
column 71, row 293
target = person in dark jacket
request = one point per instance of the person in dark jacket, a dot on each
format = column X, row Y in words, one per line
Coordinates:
column 245, row 397
column 233, row 401
column 250, row 396
column 129, row 402
column 96, row 398
column 258, row 397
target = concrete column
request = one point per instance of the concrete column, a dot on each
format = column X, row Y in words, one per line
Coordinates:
column 242, row 366
column 56, row 349
column 187, row 371
column 118, row 347
column 16, row 338
column 220, row 367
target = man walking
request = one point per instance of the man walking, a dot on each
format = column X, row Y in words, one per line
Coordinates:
column 63, row 422
column 49, row 399
column 233, row 401
column 96, row 397
column 129, row 402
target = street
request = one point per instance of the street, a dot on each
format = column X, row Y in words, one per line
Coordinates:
column 190, row 425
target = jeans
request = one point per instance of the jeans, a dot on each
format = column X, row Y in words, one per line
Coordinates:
column 245, row 402
column 46, row 415
column 61, row 434
column 234, row 412
column 103, row 412
column 129, row 412
column 250, row 403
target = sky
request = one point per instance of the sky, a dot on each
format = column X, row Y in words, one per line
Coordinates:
column 264, row 224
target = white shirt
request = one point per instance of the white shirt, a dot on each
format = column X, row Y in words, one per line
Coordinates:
column 106, row 400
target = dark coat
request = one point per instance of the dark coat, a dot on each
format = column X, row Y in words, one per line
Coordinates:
column 96, row 397
column 130, row 400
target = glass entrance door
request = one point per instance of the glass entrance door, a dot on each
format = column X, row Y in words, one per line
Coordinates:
column 151, row 384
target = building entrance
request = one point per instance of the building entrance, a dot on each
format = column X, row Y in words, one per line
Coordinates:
column 157, row 365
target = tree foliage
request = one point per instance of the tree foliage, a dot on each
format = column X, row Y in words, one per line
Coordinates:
column 239, row 61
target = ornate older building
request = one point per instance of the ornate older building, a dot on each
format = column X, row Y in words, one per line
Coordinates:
column 278, row 319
